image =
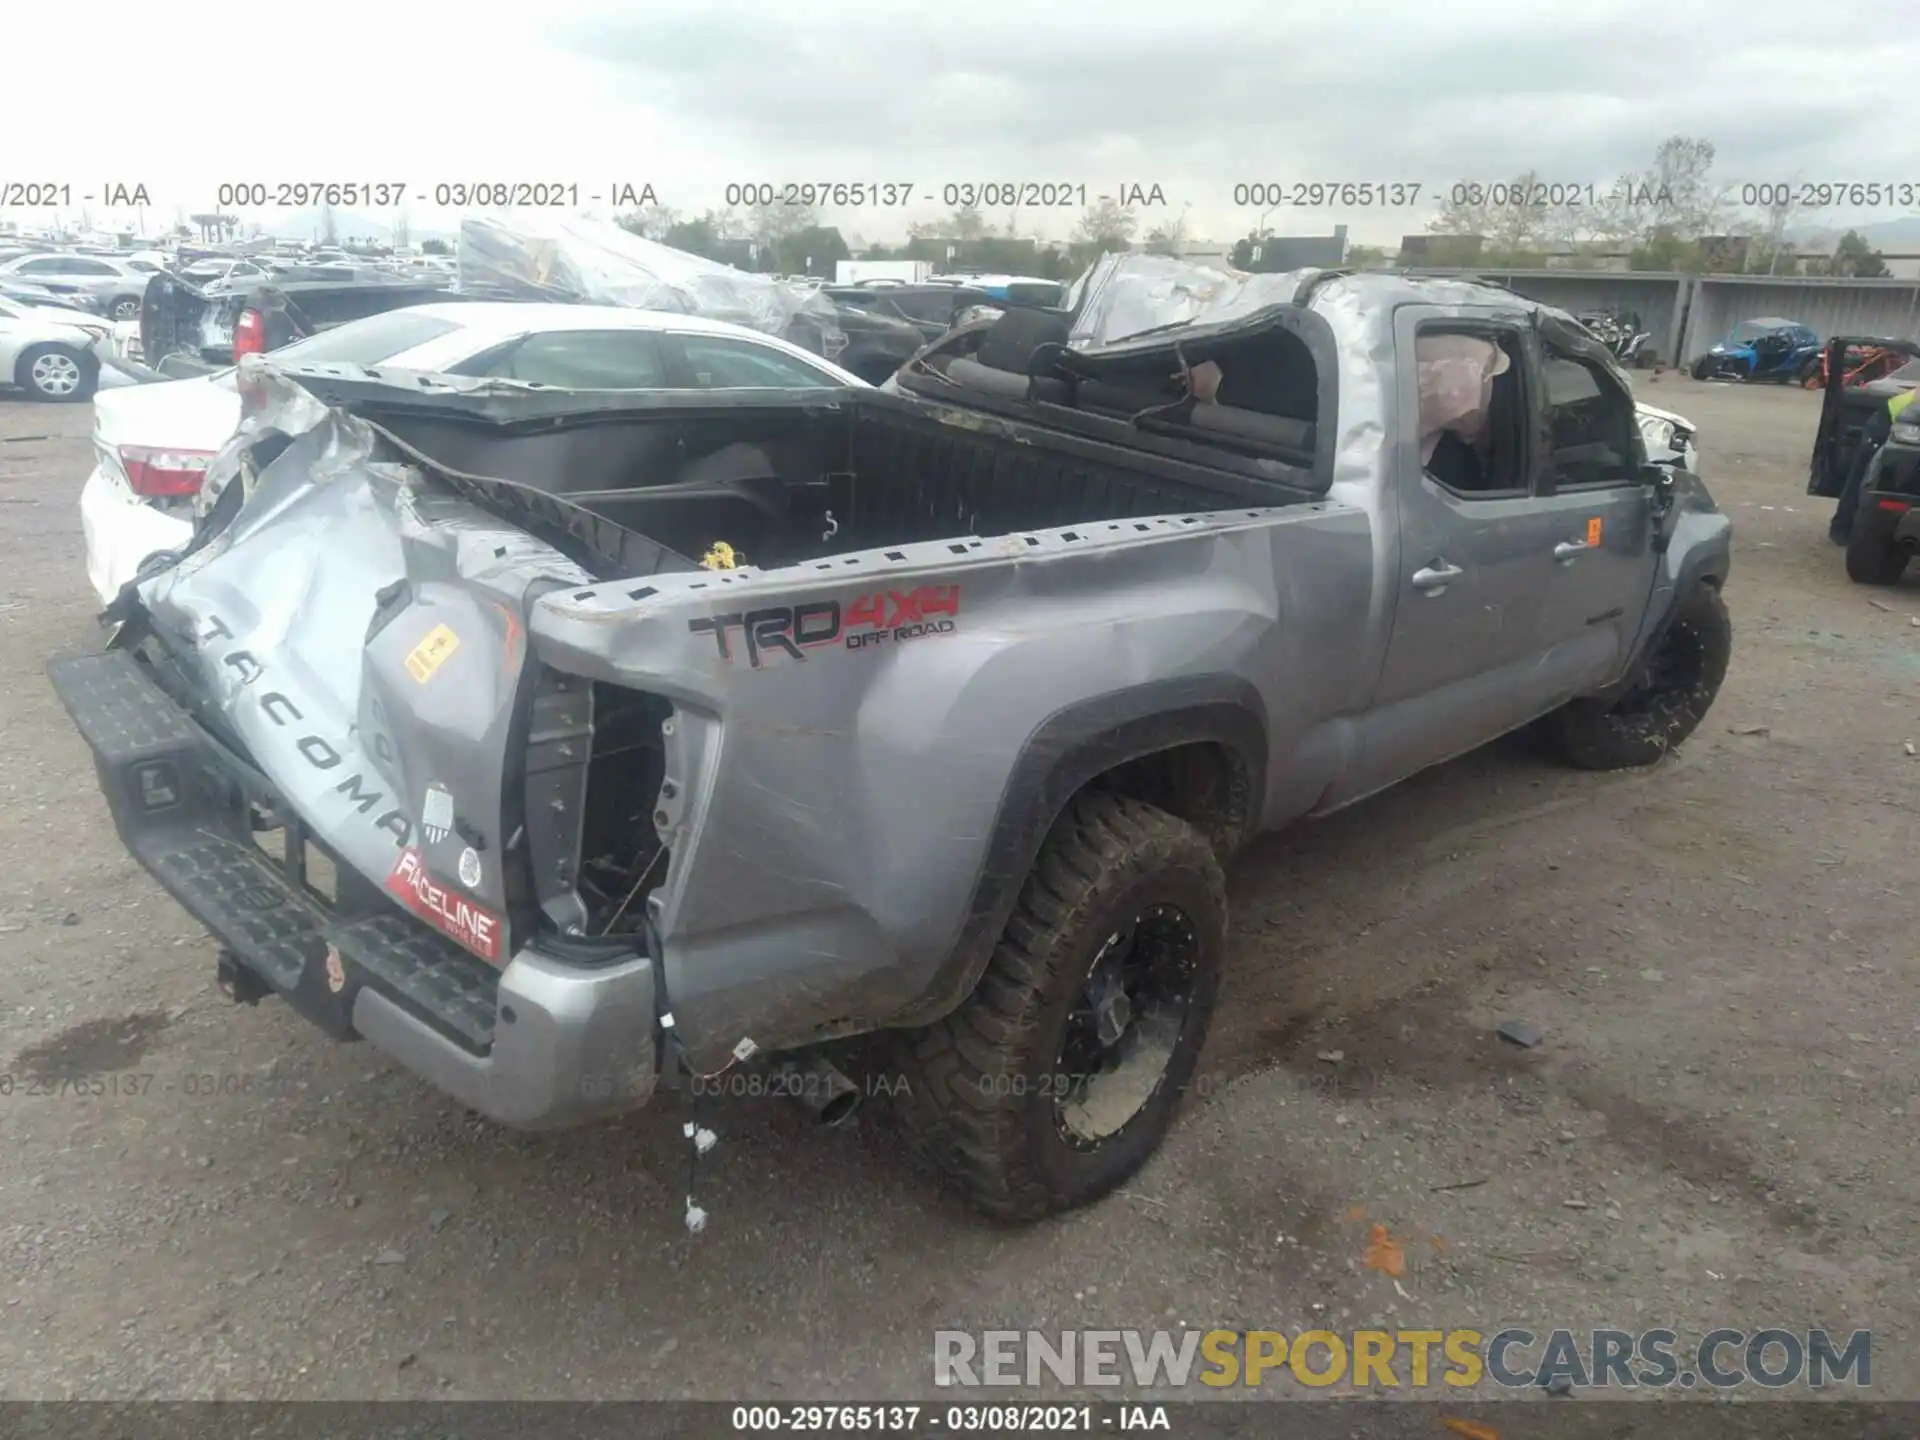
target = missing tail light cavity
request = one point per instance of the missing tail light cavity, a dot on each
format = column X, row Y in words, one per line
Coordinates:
column 622, row 860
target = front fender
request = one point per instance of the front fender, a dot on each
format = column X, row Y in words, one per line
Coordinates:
column 1699, row 551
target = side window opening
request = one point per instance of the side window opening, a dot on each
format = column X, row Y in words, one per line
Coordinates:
column 1590, row 425
column 1472, row 412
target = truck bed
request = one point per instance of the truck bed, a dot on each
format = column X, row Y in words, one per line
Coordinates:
column 784, row 481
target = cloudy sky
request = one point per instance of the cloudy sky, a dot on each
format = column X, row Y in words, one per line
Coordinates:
column 1193, row 98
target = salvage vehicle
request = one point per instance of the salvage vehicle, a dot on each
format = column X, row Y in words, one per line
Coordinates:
column 1025, row 291
column 567, row 745
column 1886, row 522
column 39, row 297
column 51, row 354
column 876, row 344
column 113, row 285
column 1858, row 363
column 189, row 330
column 152, row 442
column 1767, row 348
column 933, row 309
column 1621, row 332
column 545, row 256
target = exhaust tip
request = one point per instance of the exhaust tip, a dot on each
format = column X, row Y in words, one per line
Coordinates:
column 819, row 1087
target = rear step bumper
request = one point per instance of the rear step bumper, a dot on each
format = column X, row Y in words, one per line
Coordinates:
column 539, row 1045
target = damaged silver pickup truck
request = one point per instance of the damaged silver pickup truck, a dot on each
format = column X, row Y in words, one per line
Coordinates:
column 566, row 745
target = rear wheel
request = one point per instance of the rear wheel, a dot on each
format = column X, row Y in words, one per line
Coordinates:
column 55, row 372
column 1668, row 701
column 124, row 307
column 1060, row 1075
column 1873, row 556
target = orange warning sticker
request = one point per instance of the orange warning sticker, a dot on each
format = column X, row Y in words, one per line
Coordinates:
column 1594, row 527
column 431, row 653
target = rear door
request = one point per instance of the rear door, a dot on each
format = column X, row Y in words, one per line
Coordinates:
column 1599, row 567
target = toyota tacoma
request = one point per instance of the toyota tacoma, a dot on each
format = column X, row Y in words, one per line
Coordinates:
column 565, row 746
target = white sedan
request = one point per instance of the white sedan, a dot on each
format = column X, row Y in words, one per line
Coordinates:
column 52, row 353
column 152, row 442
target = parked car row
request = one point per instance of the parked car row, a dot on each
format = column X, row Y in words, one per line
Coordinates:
column 50, row 352
column 153, row 442
column 111, row 285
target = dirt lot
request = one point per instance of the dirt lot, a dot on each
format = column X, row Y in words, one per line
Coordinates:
column 1720, row 953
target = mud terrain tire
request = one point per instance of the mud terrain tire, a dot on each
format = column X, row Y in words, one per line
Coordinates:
column 1873, row 556
column 1683, row 677
column 983, row 1084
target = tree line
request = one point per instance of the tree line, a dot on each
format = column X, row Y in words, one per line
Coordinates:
column 1674, row 214
column 790, row 240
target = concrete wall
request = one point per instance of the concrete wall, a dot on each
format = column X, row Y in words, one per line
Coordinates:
column 1832, row 307
column 1686, row 313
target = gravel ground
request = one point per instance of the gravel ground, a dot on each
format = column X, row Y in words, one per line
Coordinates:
column 1716, row 1130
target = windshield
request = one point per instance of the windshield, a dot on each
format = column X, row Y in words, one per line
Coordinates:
column 1754, row 329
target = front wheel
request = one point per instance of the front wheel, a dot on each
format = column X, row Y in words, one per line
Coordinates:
column 1702, row 369
column 124, row 307
column 1675, row 689
column 1060, row 1075
column 56, row 373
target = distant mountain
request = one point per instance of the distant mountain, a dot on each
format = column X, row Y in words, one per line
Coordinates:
column 1890, row 237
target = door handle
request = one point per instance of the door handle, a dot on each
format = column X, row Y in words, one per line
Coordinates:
column 1436, row 577
column 1567, row 549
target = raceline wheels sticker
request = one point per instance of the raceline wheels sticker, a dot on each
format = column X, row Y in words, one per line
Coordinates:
column 458, row 918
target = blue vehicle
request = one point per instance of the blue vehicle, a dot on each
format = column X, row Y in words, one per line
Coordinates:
column 1767, row 348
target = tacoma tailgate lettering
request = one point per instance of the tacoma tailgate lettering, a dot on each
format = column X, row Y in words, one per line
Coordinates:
column 316, row 750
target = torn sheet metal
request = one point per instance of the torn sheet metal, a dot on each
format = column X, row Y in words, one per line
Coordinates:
column 1120, row 296
column 540, row 256
column 363, row 634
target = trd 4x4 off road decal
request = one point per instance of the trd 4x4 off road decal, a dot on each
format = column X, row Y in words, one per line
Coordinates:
column 884, row 617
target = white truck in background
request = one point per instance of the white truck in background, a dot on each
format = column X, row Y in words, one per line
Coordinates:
column 860, row 272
